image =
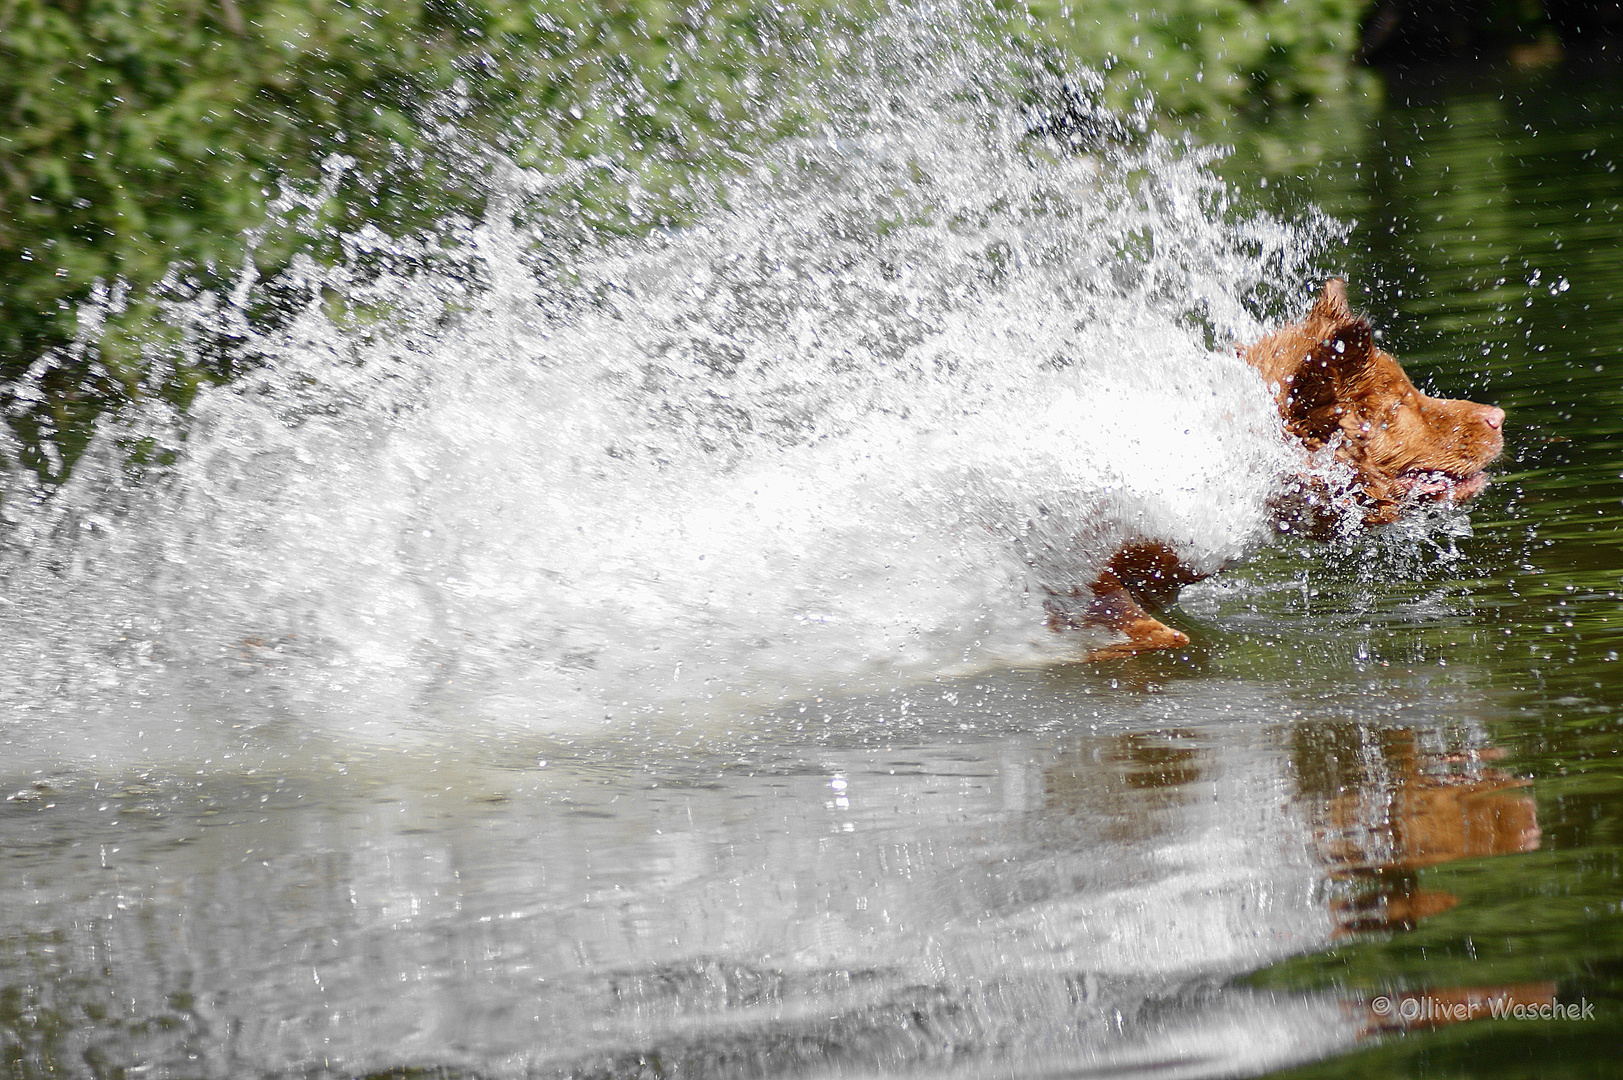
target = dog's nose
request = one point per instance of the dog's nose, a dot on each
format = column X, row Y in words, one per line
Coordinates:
column 1494, row 416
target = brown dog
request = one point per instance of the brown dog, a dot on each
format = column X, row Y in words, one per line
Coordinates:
column 1334, row 388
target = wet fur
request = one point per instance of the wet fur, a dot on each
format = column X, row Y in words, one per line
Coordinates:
column 1334, row 388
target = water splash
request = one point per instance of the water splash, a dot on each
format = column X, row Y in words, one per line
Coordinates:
column 905, row 374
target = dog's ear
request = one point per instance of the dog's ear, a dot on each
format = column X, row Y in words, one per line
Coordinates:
column 1344, row 342
column 1332, row 305
column 1327, row 376
column 1350, row 346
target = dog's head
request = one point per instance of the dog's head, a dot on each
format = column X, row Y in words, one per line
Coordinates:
column 1334, row 387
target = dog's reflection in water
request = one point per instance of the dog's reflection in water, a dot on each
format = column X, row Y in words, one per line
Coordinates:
column 1285, row 845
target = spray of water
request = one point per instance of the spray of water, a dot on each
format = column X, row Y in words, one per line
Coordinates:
column 905, row 374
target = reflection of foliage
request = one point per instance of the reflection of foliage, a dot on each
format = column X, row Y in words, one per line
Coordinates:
column 146, row 134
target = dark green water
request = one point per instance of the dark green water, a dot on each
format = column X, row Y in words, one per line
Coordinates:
column 1382, row 787
column 1487, row 210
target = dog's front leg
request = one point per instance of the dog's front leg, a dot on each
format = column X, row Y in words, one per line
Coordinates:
column 1114, row 604
column 1138, row 576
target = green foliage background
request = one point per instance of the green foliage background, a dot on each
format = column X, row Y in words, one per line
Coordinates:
column 144, row 138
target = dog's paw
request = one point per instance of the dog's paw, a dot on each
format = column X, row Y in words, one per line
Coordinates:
column 1142, row 635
